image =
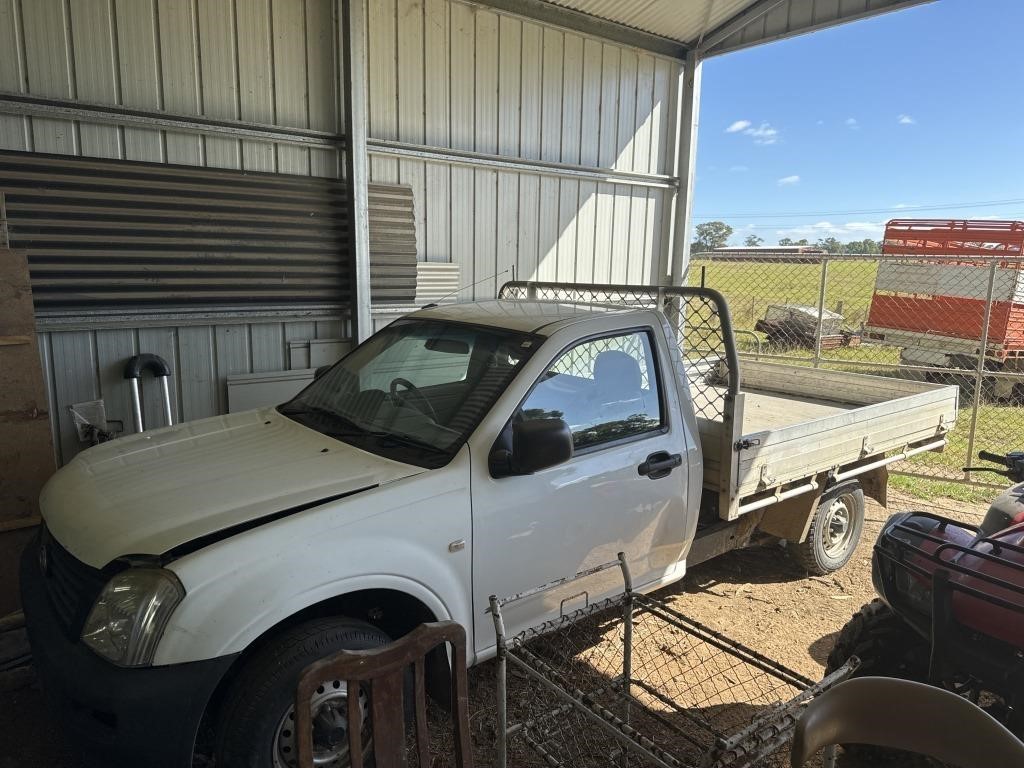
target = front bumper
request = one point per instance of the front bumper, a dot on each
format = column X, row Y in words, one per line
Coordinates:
column 145, row 716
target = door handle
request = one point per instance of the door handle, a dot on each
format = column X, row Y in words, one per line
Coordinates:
column 660, row 464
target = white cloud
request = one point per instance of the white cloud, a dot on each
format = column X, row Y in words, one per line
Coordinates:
column 821, row 122
column 739, row 168
column 852, row 124
column 850, row 230
column 905, row 120
column 786, row 181
column 763, row 134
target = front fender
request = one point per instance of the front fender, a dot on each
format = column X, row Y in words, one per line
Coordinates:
column 180, row 645
column 396, row 537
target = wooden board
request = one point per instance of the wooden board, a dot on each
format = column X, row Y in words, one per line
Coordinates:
column 26, row 450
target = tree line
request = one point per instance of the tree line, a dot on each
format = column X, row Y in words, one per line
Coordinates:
column 715, row 234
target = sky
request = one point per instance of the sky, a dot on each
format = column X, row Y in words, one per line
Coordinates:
column 916, row 113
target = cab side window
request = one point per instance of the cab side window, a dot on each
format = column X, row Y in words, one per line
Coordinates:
column 605, row 389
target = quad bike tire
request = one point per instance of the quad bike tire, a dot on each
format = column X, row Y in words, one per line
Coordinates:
column 835, row 530
column 886, row 647
column 884, row 643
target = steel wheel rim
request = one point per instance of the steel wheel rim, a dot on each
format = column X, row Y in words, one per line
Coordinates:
column 838, row 528
column 329, row 707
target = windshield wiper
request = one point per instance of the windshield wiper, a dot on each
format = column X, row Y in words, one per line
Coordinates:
column 351, row 429
column 397, row 437
column 409, row 440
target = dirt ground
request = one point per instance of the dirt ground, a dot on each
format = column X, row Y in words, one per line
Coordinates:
column 754, row 596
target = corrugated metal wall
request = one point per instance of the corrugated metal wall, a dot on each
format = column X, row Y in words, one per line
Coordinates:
column 459, row 76
column 116, row 235
column 83, row 365
column 444, row 74
column 265, row 61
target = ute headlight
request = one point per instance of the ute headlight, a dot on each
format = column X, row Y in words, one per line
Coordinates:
column 130, row 615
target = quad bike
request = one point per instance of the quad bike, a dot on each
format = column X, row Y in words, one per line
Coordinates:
column 951, row 611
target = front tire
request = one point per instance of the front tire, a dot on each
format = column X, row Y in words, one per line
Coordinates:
column 884, row 643
column 255, row 724
column 835, row 530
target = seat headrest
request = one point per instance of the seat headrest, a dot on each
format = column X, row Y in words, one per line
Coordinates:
column 617, row 375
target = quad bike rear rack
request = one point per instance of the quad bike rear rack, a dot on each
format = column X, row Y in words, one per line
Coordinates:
column 631, row 681
column 962, row 619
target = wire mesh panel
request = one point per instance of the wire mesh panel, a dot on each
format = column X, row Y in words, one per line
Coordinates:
column 936, row 317
column 631, row 682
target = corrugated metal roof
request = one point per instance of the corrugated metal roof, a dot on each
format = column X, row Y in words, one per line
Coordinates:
column 683, row 21
column 691, row 21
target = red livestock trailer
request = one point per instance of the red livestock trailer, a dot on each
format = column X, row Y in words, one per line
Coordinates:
column 931, row 302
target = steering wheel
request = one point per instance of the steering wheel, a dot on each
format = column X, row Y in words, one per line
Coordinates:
column 412, row 389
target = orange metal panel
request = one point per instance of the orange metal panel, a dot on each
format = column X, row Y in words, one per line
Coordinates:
column 949, row 316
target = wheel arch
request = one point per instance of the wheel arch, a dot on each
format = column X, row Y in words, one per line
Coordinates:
column 394, row 611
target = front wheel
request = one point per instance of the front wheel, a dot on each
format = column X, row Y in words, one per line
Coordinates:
column 885, row 644
column 256, row 726
column 835, row 530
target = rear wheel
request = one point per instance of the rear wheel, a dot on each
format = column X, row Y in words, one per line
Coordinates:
column 835, row 530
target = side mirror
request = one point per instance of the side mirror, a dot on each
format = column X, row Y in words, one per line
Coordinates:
column 536, row 445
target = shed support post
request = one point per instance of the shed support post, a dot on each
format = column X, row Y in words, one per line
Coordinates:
column 354, row 88
column 687, row 117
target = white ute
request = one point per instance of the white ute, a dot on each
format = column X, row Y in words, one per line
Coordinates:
column 188, row 574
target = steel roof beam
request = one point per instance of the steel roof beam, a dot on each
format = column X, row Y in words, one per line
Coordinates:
column 731, row 26
column 576, row 21
column 768, row 20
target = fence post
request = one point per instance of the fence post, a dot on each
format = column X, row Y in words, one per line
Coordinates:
column 979, row 375
column 627, row 645
column 821, row 311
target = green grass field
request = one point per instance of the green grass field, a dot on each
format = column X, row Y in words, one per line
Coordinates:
column 750, row 288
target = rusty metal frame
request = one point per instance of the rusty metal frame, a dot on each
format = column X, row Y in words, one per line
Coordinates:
column 745, row 747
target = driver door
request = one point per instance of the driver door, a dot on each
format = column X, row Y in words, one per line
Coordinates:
column 532, row 529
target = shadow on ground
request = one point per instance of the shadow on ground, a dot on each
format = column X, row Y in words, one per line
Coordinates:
column 822, row 647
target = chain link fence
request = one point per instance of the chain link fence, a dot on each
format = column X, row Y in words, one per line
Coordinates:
column 948, row 320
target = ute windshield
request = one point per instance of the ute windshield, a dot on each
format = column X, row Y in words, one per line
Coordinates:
column 415, row 390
